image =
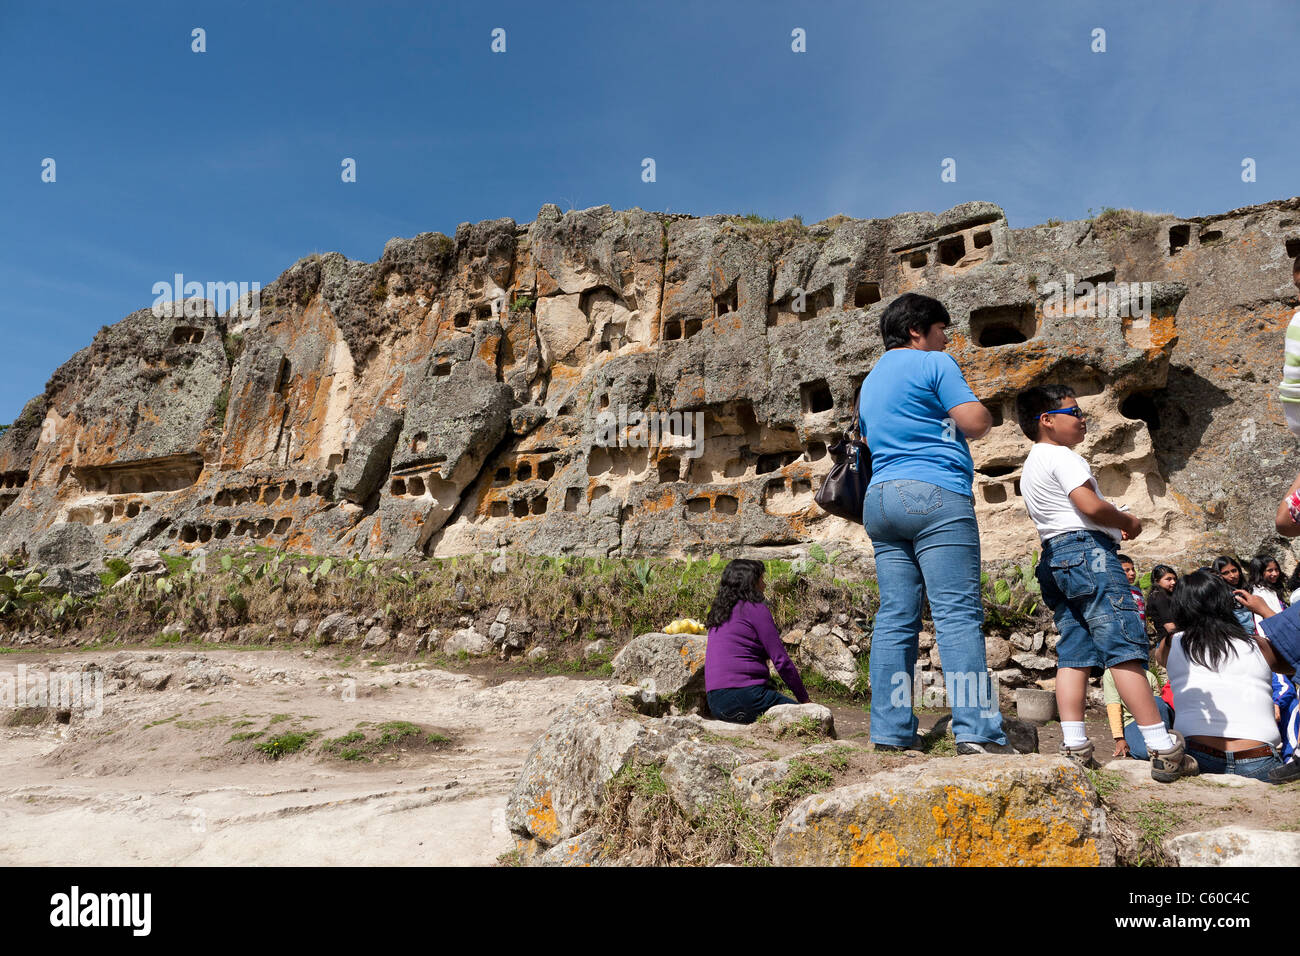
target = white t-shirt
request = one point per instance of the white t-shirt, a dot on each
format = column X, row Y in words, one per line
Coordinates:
column 1236, row 701
column 1270, row 598
column 1050, row 473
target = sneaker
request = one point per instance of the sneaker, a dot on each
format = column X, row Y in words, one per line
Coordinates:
column 968, row 747
column 1082, row 755
column 899, row 748
column 1168, row 765
column 1286, row 773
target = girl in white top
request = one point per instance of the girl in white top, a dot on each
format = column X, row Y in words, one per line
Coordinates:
column 1266, row 576
column 1222, row 679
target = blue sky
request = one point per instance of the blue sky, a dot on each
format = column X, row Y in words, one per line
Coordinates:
column 225, row 165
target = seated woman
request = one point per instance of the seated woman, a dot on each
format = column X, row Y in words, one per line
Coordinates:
column 1222, row 680
column 742, row 639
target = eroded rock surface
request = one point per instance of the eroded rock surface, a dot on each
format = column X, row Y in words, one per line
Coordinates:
column 448, row 398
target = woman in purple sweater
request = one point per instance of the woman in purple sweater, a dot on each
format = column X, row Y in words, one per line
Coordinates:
column 742, row 639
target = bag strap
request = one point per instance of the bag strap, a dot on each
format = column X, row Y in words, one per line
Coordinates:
column 855, row 429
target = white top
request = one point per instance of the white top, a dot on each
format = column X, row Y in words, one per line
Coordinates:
column 1236, row 701
column 1270, row 598
column 1051, row 472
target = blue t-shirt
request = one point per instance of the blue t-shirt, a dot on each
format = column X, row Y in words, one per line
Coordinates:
column 905, row 401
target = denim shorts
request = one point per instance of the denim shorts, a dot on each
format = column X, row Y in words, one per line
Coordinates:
column 1256, row 768
column 744, row 705
column 1096, row 616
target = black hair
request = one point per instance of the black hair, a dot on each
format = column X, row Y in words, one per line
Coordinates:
column 1032, row 402
column 910, row 312
column 1158, row 572
column 1222, row 561
column 1204, row 610
column 1125, row 559
column 1257, row 565
column 739, row 583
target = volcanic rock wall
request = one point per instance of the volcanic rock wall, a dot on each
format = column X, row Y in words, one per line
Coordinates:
column 455, row 395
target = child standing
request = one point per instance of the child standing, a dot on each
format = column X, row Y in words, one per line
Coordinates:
column 1083, row 583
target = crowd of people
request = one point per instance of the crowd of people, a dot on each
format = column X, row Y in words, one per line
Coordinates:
column 1198, row 671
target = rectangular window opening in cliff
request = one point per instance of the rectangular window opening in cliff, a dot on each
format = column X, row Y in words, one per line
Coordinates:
column 604, row 400
column 983, row 239
column 106, row 514
column 499, row 509
column 672, row 330
column 697, row 506
column 289, row 490
column 613, row 337
column 600, row 491
column 525, row 471
column 1209, row 237
column 263, row 528
column 815, row 451
column 1179, row 237
column 282, row 525
column 692, row 327
column 815, row 397
column 952, row 250
column 170, row 473
column 305, row 490
column 819, row 303
column 119, row 510
column 133, row 509
column 282, row 378
column 801, row 487
column 461, row 320
column 727, row 302
column 995, row 410
column 916, row 259
column 519, row 507
column 1141, row 406
column 442, row 370
column 242, row 527
column 726, row 504
column 735, row 468
column 599, row 461
column 189, row 534
column 571, row 498
column 997, row 325
column 502, row 476
column 996, row 471
column 186, row 335
column 205, row 533
column 1015, row 487
column 670, row 469
column 1292, row 248
column 398, row 487
column 995, row 493
column 538, row 505
column 866, row 294
column 222, row 530
column 415, row 486
column 546, row 470
column 483, row 312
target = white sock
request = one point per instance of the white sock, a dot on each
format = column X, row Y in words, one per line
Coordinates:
column 1073, row 731
column 1156, row 737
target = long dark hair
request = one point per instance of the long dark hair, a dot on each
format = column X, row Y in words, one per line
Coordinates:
column 1257, row 565
column 1158, row 572
column 1226, row 560
column 739, row 583
column 1205, row 611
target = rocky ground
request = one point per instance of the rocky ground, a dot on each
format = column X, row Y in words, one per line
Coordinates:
column 192, row 762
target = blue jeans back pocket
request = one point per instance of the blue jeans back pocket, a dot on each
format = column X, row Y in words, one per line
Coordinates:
column 919, row 498
column 1073, row 576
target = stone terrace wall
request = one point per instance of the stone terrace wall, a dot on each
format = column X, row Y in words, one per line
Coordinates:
column 447, row 398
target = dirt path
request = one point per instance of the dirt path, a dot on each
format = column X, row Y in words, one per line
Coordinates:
column 158, row 779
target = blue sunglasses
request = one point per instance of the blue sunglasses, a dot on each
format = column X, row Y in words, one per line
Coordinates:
column 1076, row 411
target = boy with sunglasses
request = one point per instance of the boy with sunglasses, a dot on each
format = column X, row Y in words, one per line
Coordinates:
column 1084, row 583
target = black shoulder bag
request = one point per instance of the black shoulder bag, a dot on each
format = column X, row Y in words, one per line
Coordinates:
column 843, row 489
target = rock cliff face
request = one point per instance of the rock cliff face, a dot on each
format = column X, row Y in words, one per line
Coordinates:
column 456, row 395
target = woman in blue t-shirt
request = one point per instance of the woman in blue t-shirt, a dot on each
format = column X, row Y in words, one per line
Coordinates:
column 916, row 413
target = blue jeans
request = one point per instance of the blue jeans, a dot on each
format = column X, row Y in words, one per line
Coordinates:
column 1137, row 745
column 744, row 705
column 1255, row 767
column 926, row 536
column 1096, row 616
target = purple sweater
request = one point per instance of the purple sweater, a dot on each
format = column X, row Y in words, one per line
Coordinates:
column 738, row 652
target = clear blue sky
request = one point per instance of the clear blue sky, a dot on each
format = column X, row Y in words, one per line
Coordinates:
column 225, row 166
